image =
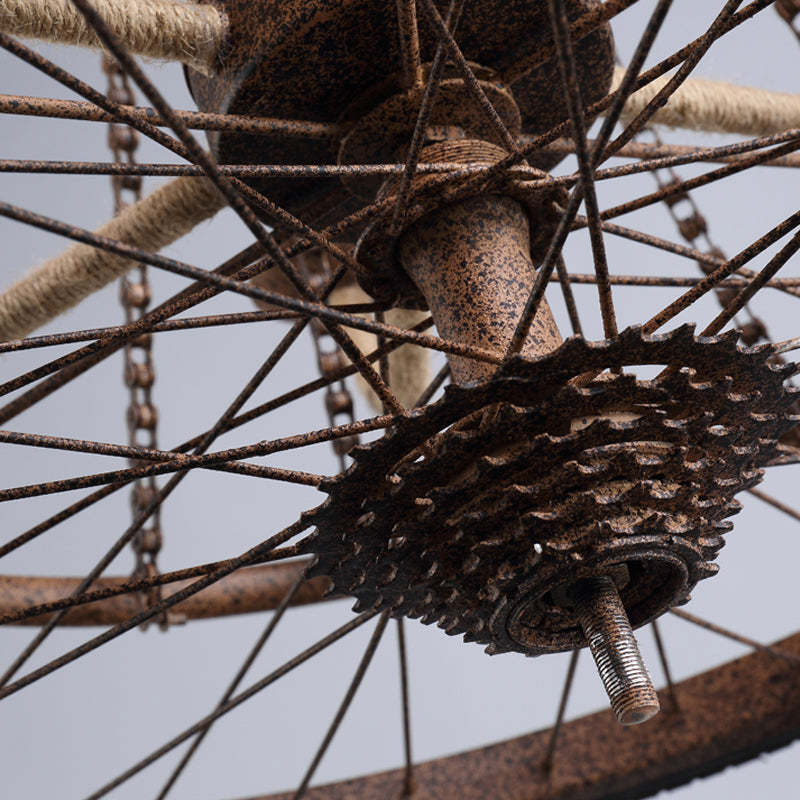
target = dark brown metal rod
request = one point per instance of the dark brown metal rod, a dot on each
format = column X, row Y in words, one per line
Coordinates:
column 259, row 588
column 196, row 120
column 245, row 559
column 289, row 598
column 235, row 701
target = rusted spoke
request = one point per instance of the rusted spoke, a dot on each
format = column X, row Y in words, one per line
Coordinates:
column 234, row 684
column 582, row 26
column 546, row 764
column 565, row 279
column 569, row 80
column 302, row 391
column 182, row 324
column 741, row 299
column 468, row 76
column 719, row 26
column 309, row 309
column 712, row 280
column 736, row 637
column 661, row 281
column 114, row 587
column 654, row 156
column 788, row 285
column 134, row 473
column 235, row 701
column 249, row 557
column 495, row 173
column 408, row 779
column 195, row 120
column 345, row 704
column 141, row 518
column 118, row 112
column 412, row 165
column 775, row 503
column 701, row 180
column 299, row 171
column 234, row 192
column 662, row 655
column 409, row 43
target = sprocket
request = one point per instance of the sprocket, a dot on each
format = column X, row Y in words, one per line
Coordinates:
column 477, row 512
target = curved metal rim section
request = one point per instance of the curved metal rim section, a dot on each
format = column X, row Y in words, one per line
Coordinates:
column 259, row 588
column 727, row 715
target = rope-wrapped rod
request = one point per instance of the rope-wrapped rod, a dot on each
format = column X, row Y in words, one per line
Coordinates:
column 716, row 106
column 191, row 33
column 63, row 281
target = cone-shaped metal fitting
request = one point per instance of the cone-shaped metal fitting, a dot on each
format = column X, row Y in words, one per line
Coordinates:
column 611, row 641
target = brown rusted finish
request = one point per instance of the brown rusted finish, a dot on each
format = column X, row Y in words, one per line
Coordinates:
column 473, row 526
column 613, row 646
column 196, row 120
column 259, row 588
column 597, row 759
column 305, row 59
column 472, row 262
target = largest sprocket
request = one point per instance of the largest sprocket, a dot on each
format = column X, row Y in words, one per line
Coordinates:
column 478, row 511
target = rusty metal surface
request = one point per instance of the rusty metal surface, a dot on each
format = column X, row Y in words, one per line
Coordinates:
column 441, row 518
column 259, row 588
column 464, row 258
column 306, row 59
column 596, row 759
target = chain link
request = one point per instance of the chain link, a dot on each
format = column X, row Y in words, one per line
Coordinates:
column 693, row 227
column 315, row 266
column 139, row 372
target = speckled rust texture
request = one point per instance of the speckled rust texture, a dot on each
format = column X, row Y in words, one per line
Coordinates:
column 727, row 715
column 329, row 60
column 253, row 589
column 472, row 262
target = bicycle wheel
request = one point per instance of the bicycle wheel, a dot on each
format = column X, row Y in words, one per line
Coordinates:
column 285, row 506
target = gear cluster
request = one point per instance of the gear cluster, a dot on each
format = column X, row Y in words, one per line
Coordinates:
column 480, row 511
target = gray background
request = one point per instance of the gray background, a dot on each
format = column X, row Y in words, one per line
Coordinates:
column 84, row 724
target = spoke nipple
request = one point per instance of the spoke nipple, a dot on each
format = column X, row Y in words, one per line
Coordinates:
column 610, row 637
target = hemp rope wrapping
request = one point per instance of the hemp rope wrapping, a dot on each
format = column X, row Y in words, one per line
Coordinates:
column 62, row 282
column 161, row 29
column 716, row 106
column 409, row 365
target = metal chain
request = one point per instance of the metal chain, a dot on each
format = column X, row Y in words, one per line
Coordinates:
column 139, row 372
column 316, row 268
column 693, row 227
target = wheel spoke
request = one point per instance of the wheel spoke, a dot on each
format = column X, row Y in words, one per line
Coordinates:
column 546, row 764
column 662, row 656
column 712, row 280
column 345, row 704
column 234, row 684
column 736, row 637
column 91, row 112
column 235, row 701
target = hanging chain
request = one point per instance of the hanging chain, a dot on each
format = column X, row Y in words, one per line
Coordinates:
column 316, row 268
column 693, row 227
column 139, row 373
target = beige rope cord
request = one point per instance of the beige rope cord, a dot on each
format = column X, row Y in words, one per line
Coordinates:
column 62, row 282
column 162, row 29
column 409, row 365
column 716, row 106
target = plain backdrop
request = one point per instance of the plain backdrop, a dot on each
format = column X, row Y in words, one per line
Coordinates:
column 79, row 727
